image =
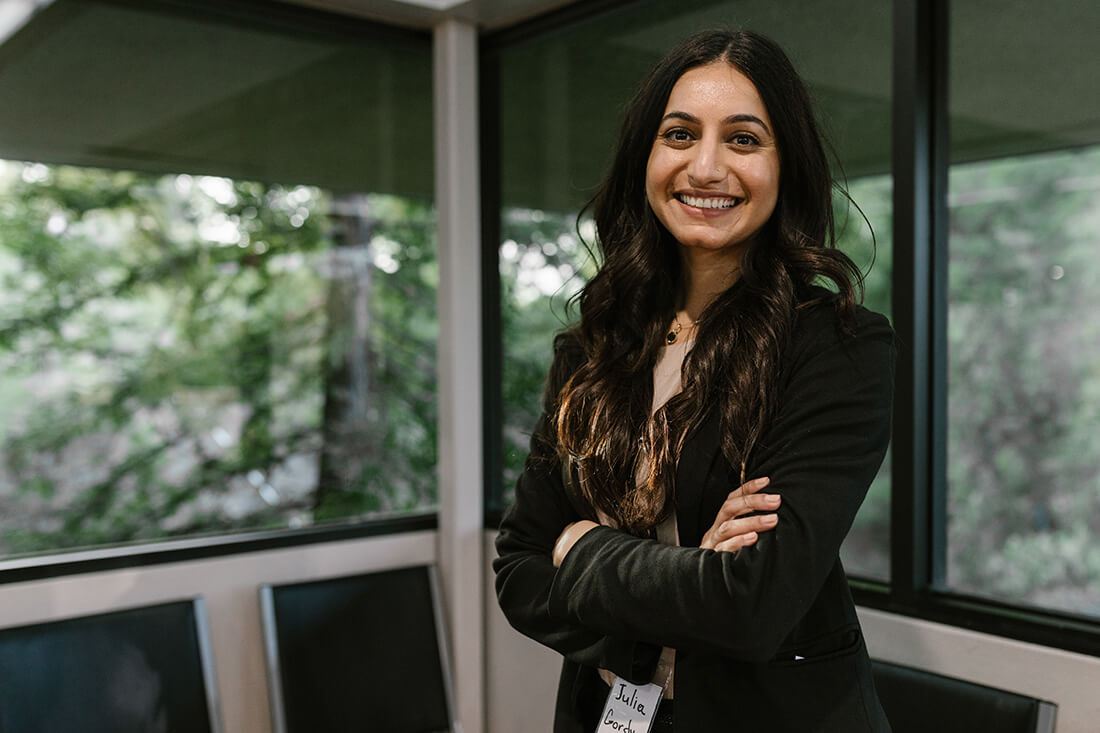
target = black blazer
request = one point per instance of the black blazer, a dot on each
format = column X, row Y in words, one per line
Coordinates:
column 766, row 639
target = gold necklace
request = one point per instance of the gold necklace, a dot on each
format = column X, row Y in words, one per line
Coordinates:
column 677, row 327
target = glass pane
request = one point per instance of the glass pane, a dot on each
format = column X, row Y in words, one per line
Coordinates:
column 1024, row 311
column 214, row 322
column 866, row 551
column 561, row 97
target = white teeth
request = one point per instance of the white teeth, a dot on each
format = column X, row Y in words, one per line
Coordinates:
column 708, row 203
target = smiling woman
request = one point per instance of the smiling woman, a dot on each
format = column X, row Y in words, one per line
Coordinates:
column 713, row 173
column 711, row 425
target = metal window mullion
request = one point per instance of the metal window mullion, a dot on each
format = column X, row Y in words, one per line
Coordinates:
column 491, row 313
column 912, row 288
column 938, row 45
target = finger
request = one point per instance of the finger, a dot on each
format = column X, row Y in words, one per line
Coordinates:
column 751, row 487
column 744, row 499
column 740, row 501
column 736, row 543
column 735, row 501
column 759, row 503
column 743, row 526
column 734, row 528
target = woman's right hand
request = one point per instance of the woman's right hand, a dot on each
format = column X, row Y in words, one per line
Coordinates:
column 731, row 529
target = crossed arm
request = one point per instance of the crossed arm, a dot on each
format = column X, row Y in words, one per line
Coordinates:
column 607, row 599
column 734, row 527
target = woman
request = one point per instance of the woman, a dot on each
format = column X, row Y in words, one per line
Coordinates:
column 707, row 358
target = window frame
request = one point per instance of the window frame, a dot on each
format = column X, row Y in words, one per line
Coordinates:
column 920, row 161
column 918, row 547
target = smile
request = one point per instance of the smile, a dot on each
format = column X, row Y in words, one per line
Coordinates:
column 708, row 202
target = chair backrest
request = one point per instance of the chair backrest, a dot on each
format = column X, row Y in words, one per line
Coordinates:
column 358, row 653
column 918, row 701
column 139, row 670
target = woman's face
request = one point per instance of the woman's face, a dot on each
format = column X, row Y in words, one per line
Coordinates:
column 713, row 173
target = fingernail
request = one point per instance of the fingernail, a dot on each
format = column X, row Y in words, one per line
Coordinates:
column 750, row 537
column 772, row 499
column 762, row 481
column 769, row 519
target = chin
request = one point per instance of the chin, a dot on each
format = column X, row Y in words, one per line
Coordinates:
column 711, row 244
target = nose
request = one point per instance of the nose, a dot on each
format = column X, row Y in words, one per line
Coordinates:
column 705, row 166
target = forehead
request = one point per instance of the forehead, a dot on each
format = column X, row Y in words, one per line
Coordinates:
column 717, row 87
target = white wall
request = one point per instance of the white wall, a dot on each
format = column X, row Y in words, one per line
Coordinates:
column 521, row 676
column 229, row 586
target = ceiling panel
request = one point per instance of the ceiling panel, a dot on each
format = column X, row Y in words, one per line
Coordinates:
column 118, row 85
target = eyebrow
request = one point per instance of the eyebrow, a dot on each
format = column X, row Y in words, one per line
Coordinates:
column 675, row 115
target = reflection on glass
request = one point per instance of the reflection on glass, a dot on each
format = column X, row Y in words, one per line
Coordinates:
column 866, row 549
column 188, row 354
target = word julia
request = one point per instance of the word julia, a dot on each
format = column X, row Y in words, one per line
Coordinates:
column 632, row 701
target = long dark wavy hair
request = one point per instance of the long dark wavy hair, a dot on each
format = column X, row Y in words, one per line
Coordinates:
column 602, row 419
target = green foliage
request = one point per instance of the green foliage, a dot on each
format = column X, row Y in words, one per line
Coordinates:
column 543, row 263
column 169, row 346
column 865, row 233
column 1023, row 378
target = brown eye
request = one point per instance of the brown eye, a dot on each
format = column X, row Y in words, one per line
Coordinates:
column 743, row 139
column 677, row 135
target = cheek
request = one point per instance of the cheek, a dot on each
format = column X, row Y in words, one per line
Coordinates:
column 773, row 189
column 767, row 182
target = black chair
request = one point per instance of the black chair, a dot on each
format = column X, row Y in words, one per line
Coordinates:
column 139, row 670
column 917, row 701
column 358, row 653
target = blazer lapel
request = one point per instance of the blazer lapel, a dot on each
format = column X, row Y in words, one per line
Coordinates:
column 700, row 458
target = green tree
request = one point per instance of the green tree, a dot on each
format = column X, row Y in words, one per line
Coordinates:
column 166, row 351
column 1024, row 380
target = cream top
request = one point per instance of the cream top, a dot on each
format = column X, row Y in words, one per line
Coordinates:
column 666, row 384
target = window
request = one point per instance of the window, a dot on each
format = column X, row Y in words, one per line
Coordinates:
column 1023, row 337
column 866, row 550
column 218, row 263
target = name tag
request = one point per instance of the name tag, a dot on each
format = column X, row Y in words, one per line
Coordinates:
column 629, row 708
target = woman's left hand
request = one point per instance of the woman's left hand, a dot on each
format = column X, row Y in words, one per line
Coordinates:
column 732, row 529
column 569, row 537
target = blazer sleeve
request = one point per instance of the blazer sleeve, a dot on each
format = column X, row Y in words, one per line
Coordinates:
column 524, row 568
column 821, row 452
